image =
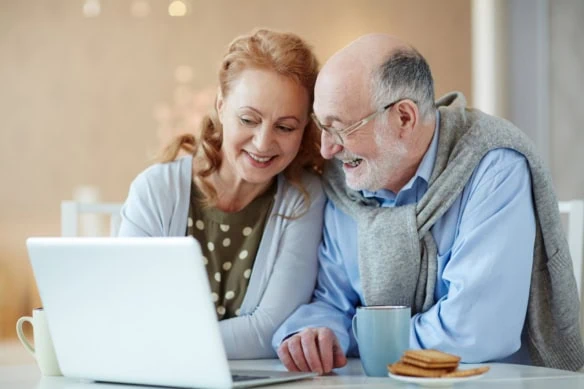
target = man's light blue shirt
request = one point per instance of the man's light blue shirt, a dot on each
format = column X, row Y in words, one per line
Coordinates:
column 485, row 255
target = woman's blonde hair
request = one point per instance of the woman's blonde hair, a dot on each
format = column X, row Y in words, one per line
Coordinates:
column 286, row 54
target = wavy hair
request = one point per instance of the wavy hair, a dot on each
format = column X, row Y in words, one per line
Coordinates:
column 284, row 53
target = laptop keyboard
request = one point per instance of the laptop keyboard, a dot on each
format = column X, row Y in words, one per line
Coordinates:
column 240, row 378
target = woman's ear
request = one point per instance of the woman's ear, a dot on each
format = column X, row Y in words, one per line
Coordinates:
column 219, row 103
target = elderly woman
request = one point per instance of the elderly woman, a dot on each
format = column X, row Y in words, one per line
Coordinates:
column 247, row 191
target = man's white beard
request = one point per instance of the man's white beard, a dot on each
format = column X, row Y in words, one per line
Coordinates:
column 379, row 171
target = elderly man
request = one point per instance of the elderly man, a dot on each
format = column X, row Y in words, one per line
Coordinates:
column 438, row 207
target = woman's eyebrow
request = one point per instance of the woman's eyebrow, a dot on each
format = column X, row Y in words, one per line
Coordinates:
column 289, row 117
column 259, row 113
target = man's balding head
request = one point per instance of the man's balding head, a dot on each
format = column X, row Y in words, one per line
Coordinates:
column 351, row 68
column 371, row 71
column 363, row 55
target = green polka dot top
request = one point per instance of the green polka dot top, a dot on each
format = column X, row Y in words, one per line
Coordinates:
column 229, row 241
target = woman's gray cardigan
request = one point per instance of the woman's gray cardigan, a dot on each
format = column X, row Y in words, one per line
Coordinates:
column 284, row 272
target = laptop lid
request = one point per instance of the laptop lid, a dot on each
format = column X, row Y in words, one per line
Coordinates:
column 134, row 310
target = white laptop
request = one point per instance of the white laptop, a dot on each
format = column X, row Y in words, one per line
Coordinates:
column 135, row 310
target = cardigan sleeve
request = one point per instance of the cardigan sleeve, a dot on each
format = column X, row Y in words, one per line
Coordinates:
column 142, row 212
column 158, row 200
column 290, row 284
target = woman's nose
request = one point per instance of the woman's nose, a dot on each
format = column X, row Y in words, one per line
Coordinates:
column 263, row 138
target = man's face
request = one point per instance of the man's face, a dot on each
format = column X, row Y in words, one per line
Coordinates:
column 370, row 155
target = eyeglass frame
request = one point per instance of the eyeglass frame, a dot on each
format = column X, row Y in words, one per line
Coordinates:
column 339, row 134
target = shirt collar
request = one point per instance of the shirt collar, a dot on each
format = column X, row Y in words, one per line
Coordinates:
column 416, row 187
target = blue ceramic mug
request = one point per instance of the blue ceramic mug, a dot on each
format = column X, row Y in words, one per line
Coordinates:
column 383, row 334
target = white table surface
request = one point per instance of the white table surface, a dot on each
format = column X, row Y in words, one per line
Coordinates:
column 351, row 376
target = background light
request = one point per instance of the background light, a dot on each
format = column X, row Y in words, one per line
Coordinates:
column 177, row 8
column 91, row 8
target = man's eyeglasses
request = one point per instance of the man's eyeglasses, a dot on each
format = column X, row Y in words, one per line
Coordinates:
column 340, row 134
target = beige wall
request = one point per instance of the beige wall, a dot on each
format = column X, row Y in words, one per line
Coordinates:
column 77, row 95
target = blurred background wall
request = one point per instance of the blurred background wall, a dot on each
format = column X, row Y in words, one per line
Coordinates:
column 90, row 89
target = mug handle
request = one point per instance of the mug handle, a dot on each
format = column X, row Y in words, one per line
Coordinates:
column 354, row 327
column 21, row 335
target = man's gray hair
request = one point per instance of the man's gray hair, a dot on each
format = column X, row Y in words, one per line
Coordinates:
column 405, row 74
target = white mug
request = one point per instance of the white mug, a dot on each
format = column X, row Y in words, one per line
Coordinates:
column 42, row 350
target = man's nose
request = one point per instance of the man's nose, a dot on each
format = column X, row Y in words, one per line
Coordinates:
column 329, row 146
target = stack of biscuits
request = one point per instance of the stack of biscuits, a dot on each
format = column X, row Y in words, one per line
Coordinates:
column 431, row 364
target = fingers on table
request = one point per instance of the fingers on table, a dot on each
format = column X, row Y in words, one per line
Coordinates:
column 286, row 358
column 339, row 357
column 310, row 348
column 326, row 342
column 296, row 348
column 313, row 349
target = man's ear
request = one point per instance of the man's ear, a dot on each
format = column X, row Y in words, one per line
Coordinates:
column 408, row 116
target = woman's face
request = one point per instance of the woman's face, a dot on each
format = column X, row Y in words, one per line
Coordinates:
column 263, row 118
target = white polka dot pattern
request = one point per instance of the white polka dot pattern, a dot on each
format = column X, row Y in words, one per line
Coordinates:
column 229, row 246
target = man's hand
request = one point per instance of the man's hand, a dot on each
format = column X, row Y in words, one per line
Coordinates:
column 312, row 349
